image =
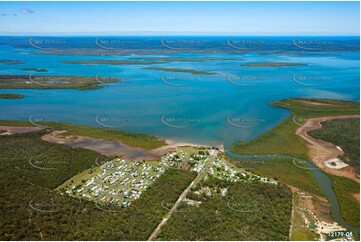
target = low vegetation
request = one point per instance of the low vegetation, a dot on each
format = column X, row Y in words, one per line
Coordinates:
column 11, row 96
column 144, row 141
column 248, row 211
column 299, row 232
column 185, row 59
column 346, row 190
column 11, row 62
column 52, row 82
column 34, row 69
column 284, row 170
column 282, row 139
column 195, row 72
column 31, row 210
column 112, row 62
column 272, row 64
column 343, row 133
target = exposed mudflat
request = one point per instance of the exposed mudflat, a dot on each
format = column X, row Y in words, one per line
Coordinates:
column 105, row 147
column 9, row 130
column 321, row 151
column 113, row 147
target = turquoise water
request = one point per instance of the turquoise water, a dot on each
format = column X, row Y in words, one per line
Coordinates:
column 204, row 109
column 197, row 106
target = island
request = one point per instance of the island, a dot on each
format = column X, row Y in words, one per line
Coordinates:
column 195, row 72
column 34, row 69
column 112, row 62
column 11, row 96
column 273, row 64
column 12, row 62
column 185, row 59
column 53, row 82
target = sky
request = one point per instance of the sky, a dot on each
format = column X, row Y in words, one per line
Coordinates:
column 193, row 18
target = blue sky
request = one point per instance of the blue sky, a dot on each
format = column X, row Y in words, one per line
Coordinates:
column 239, row 18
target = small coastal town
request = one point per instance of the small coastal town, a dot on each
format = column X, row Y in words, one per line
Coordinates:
column 180, row 120
column 119, row 182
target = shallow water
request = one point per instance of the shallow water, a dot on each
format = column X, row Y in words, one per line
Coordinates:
column 204, row 109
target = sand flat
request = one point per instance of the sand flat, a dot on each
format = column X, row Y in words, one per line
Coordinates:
column 321, row 151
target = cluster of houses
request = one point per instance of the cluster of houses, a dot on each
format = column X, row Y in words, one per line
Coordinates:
column 196, row 160
column 190, row 159
column 211, row 191
column 223, row 171
column 118, row 182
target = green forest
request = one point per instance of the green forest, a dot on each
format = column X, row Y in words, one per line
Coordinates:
column 31, row 210
column 343, row 133
column 248, row 211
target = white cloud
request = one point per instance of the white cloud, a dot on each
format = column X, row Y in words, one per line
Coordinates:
column 26, row 10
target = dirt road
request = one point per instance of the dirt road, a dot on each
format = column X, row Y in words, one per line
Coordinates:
column 180, row 199
column 320, row 150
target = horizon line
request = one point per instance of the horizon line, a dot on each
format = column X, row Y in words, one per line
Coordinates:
column 179, row 34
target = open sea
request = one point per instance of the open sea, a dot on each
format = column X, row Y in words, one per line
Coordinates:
column 228, row 106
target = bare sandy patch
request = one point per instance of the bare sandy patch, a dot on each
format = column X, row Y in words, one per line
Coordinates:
column 105, row 147
column 18, row 130
column 357, row 196
column 321, row 151
column 114, row 147
column 335, row 163
column 321, row 104
column 293, row 189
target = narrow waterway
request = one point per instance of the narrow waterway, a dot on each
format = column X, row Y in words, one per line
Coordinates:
column 322, row 179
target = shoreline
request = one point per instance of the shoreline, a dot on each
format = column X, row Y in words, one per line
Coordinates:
column 321, row 151
column 10, row 130
column 105, row 146
column 102, row 146
column 176, row 143
column 116, row 147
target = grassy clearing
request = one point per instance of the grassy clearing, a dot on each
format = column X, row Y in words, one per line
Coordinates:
column 299, row 232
